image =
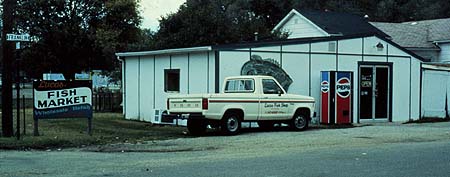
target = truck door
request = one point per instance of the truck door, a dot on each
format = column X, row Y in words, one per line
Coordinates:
column 272, row 103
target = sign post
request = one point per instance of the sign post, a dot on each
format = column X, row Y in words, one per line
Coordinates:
column 18, row 38
column 62, row 99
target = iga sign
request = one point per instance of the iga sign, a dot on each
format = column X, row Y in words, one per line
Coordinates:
column 62, row 99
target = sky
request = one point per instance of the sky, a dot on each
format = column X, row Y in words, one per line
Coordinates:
column 152, row 10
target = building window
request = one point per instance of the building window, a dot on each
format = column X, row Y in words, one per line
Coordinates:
column 172, row 80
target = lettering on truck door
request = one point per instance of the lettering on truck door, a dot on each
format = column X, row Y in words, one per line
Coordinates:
column 272, row 105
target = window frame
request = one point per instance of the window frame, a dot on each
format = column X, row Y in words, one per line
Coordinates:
column 166, row 80
column 240, row 91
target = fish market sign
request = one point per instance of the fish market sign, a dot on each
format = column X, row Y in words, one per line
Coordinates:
column 62, row 99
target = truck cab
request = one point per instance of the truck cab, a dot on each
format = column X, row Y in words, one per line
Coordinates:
column 243, row 99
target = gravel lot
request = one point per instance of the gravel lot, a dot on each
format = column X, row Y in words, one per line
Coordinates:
column 252, row 141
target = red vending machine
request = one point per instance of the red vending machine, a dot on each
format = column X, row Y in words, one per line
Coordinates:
column 336, row 97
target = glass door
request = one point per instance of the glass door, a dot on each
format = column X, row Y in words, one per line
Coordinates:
column 374, row 90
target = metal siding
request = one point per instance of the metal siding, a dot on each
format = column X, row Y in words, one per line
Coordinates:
column 146, row 81
column 297, row 66
column 180, row 61
column 131, row 96
column 370, row 46
column 296, row 48
column 322, row 47
column 400, row 89
column 434, row 88
column 350, row 46
column 444, row 55
column 162, row 62
column 392, row 50
column 301, row 29
column 376, row 59
column 271, row 48
column 198, row 73
column 415, row 89
column 231, row 64
column 212, row 72
column 448, row 94
column 320, row 62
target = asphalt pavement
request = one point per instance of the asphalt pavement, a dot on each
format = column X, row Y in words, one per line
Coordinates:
column 378, row 150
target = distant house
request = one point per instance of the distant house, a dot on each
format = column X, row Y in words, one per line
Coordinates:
column 429, row 38
column 306, row 24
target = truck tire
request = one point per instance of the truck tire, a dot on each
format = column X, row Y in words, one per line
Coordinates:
column 231, row 124
column 299, row 121
column 196, row 127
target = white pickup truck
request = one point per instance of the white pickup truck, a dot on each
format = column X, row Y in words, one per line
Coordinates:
column 243, row 99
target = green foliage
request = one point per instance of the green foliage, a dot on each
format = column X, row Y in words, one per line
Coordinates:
column 76, row 35
column 210, row 22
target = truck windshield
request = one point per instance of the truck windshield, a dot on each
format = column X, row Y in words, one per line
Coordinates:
column 239, row 86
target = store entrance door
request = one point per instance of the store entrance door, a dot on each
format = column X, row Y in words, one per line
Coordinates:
column 374, row 90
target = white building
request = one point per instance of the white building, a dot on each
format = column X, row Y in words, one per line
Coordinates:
column 394, row 79
column 152, row 75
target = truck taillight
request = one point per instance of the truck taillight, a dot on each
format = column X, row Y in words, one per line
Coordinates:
column 205, row 103
column 167, row 103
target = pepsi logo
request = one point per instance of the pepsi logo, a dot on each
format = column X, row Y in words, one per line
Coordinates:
column 343, row 87
column 324, row 86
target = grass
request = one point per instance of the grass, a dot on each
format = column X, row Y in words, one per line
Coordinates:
column 107, row 128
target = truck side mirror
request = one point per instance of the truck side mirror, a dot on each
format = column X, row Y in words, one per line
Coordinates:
column 280, row 92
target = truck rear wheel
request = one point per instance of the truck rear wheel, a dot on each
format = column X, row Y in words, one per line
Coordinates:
column 196, row 127
column 299, row 121
column 231, row 124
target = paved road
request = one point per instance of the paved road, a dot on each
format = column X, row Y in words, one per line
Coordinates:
column 383, row 150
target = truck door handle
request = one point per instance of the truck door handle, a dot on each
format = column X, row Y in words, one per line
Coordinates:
column 265, row 97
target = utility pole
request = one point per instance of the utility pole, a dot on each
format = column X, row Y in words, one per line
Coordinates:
column 7, row 114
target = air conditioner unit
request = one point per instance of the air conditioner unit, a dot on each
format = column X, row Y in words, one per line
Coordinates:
column 158, row 117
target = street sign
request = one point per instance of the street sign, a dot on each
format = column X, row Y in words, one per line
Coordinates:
column 18, row 37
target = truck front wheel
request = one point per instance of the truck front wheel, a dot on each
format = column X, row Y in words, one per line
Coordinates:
column 196, row 127
column 299, row 121
column 231, row 124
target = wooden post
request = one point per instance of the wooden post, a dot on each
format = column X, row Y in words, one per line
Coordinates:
column 90, row 125
column 36, row 131
column 24, row 118
column 18, row 98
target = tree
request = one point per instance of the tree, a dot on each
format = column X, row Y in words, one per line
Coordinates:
column 209, row 22
column 76, row 35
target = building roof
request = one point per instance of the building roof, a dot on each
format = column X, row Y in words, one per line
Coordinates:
column 335, row 23
column 417, row 34
column 339, row 23
column 165, row 51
